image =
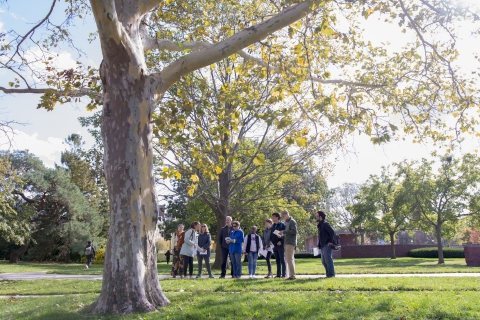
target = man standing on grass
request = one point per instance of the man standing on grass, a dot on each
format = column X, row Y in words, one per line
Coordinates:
column 277, row 241
column 225, row 233
column 325, row 242
column 290, row 234
column 89, row 253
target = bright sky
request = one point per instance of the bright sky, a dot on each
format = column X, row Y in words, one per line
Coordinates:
column 44, row 132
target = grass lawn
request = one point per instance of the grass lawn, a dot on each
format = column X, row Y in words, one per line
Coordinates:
column 303, row 266
column 370, row 298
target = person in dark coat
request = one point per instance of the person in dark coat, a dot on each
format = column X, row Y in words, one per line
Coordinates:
column 225, row 233
column 278, row 245
column 167, row 256
column 89, row 253
column 203, row 250
column 325, row 242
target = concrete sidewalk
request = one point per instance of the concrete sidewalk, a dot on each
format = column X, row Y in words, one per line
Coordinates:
column 49, row 276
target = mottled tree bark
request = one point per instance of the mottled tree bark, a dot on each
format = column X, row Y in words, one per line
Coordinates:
column 438, row 231
column 130, row 279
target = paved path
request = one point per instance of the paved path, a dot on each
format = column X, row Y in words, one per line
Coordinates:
column 51, row 276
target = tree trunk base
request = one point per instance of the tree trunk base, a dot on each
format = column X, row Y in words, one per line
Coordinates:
column 143, row 305
column 17, row 253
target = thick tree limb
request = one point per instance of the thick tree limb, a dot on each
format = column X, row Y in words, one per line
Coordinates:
column 24, row 197
column 231, row 45
column 150, row 43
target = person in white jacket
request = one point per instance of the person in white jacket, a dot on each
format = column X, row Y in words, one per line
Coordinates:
column 189, row 248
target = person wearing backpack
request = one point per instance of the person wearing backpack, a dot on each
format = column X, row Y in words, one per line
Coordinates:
column 89, row 253
column 326, row 236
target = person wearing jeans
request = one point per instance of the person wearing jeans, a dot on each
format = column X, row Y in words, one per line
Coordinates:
column 278, row 247
column 290, row 235
column 252, row 247
column 325, row 242
column 235, row 242
column 225, row 233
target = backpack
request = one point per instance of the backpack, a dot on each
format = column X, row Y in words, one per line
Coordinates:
column 88, row 251
column 336, row 242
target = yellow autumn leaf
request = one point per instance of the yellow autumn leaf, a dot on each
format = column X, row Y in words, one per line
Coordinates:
column 194, row 178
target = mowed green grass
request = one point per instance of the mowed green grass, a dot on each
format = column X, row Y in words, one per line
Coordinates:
column 384, row 284
column 303, row 266
column 355, row 298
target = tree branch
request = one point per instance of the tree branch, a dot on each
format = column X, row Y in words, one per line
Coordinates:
column 74, row 93
column 231, row 45
column 150, row 43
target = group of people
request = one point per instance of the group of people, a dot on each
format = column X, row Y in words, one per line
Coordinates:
column 279, row 238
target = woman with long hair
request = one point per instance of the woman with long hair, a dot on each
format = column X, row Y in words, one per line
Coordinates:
column 203, row 251
column 175, row 246
column 189, row 247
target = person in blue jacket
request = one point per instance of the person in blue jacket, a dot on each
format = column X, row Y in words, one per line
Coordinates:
column 235, row 249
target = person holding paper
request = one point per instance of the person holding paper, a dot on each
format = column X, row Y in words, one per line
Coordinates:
column 235, row 241
column 290, row 235
column 325, row 241
column 268, row 246
column 203, row 251
column 277, row 242
column 189, row 247
column 225, row 233
column 252, row 247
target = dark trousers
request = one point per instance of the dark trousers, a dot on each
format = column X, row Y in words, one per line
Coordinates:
column 205, row 258
column 168, row 259
column 89, row 259
column 224, row 262
column 268, row 258
column 279, row 253
column 187, row 262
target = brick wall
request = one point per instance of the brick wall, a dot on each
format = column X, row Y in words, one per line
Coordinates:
column 472, row 255
column 378, row 251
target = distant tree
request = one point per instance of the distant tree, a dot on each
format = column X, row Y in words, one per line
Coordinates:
column 58, row 213
column 440, row 199
column 383, row 204
column 340, row 204
column 83, row 171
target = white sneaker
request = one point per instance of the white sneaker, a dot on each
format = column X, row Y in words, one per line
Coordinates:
column 253, row 276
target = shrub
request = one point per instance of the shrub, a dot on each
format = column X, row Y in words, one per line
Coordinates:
column 433, row 253
column 99, row 257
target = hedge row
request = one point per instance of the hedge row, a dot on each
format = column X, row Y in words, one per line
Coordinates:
column 433, row 253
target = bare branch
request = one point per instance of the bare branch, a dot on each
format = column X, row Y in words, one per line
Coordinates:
column 73, row 93
column 29, row 33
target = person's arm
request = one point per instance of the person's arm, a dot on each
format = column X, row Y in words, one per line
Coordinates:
column 331, row 233
column 209, row 242
column 292, row 228
column 172, row 242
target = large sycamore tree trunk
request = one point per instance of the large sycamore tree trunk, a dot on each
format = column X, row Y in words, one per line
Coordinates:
column 130, row 279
